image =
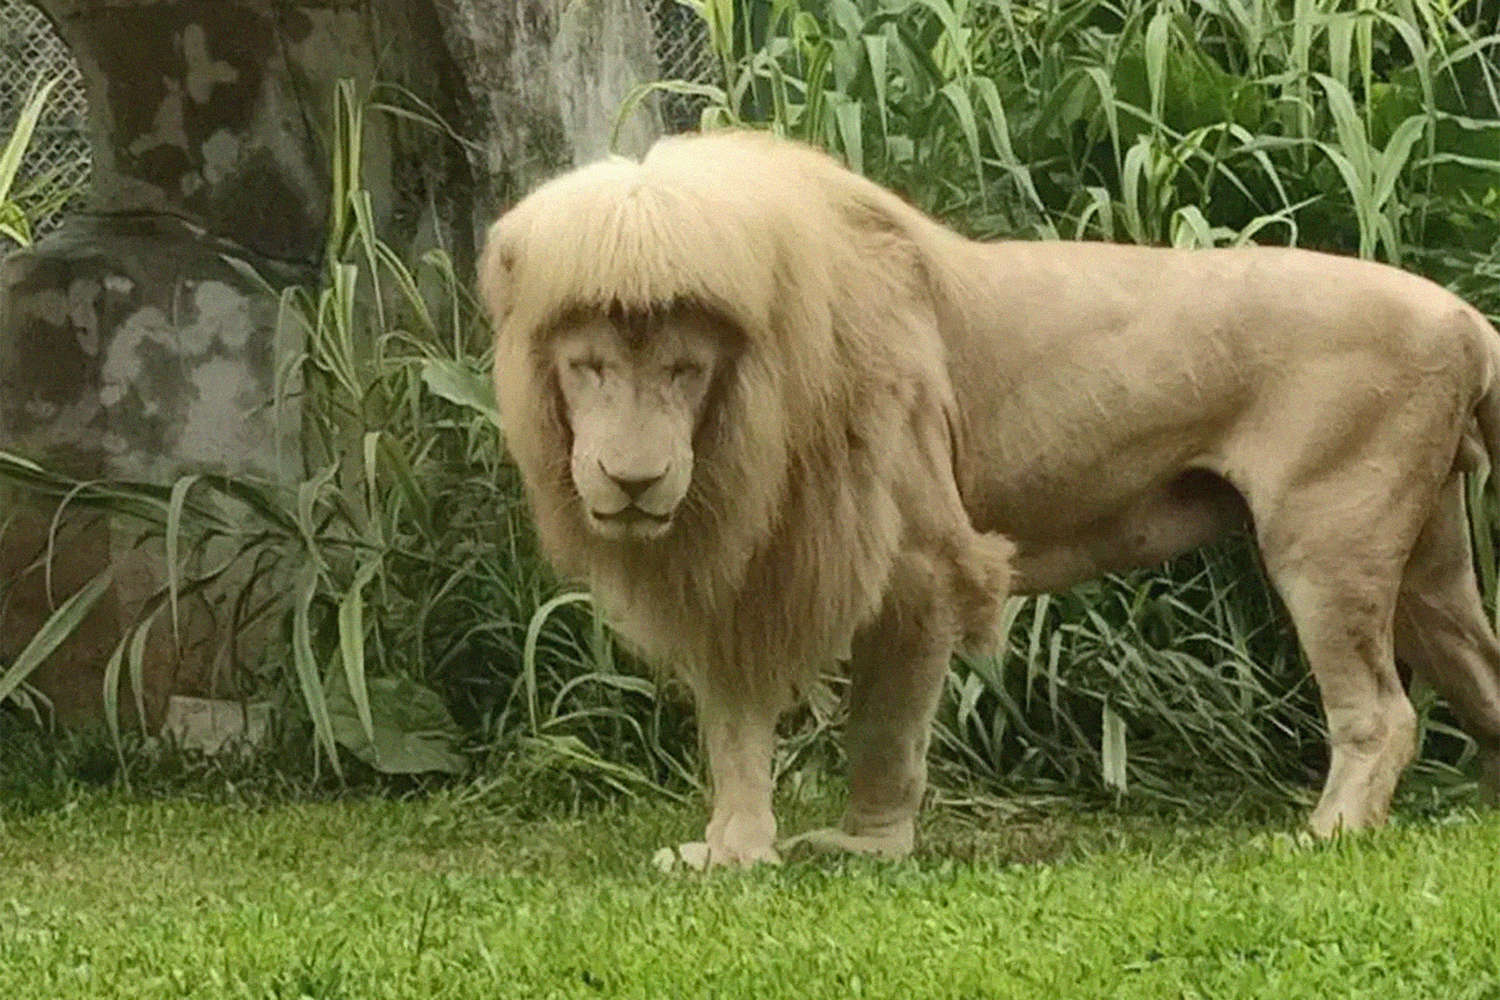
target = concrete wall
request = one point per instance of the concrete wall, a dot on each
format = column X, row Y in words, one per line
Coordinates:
column 130, row 347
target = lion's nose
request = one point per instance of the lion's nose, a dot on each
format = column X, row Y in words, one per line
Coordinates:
column 632, row 484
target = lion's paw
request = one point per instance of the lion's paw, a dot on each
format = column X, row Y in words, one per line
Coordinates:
column 890, row 846
column 684, row 857
column 698, row 856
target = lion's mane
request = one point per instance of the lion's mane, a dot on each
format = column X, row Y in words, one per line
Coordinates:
column 830, row 446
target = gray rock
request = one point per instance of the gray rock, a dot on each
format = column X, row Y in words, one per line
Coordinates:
column 129, row 348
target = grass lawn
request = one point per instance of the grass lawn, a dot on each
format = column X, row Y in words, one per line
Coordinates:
column 374, row 898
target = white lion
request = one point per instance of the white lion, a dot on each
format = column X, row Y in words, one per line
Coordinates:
column 776, row 417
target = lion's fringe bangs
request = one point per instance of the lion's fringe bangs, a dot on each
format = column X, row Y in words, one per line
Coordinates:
column 623, row 235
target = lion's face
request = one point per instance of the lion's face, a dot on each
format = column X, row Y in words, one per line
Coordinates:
column 634, row 390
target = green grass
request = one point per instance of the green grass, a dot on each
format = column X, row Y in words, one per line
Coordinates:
column 452, row 898
column 400, row 559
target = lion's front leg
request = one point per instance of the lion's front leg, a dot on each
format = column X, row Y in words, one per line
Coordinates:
column 740, row 737
column 896, row 678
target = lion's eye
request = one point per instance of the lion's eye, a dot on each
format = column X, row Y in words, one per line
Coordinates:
column 685, row 370
column 587, row 366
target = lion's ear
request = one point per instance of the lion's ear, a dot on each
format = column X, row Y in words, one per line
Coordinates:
column 495, row 265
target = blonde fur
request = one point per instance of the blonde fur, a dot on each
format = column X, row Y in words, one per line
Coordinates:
column 831, row 449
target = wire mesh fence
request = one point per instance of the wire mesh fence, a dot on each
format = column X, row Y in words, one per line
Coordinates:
column 56, row 166
column 682, row 53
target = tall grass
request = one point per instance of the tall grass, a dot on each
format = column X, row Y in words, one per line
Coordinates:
column 412, row 625
column 1368, row 126
column 1362, row 126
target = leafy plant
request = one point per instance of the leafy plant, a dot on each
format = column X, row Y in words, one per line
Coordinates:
column 1370, row 127
column 408, row 615
column 1364, row 126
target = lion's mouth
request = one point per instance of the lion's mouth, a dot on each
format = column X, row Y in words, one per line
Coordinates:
column 632, row 516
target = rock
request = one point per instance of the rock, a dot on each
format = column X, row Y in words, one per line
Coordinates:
column 129, row 348
column 212, row 725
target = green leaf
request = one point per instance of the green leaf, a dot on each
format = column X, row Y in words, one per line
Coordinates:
column 1106, row 90
column 306, row 665
column 1112, row 750
column 964, row 109
column 1394, row 157
column 460, row 384
column 989, row 97
column 1099, row 204
column 180, row 490
column 953, row 30
column 848, row 116
column 14, row 150
column 352, row 643
column 1347, row 170
column 136, row 661
column 409, row 485
column 1191, row 229
column 112, row 702
column 1340, row 43
column 1353, row 139
column 308, row 493
column 1134, row 174
column 54, row 632
column 877, row 54
column 14, row 225
column 528, row 651
column 409, row 732
column 1157, row 44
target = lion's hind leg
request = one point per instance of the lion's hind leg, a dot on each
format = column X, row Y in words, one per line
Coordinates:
column 1442, row 632
column 1338, row 577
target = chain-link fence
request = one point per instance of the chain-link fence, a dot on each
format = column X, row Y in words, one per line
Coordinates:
column 56, row 166
column 682, row 53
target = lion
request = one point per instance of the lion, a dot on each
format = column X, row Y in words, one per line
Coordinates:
column 778, row 418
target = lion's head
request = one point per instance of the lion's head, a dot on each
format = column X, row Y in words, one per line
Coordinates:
column 721, row 376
